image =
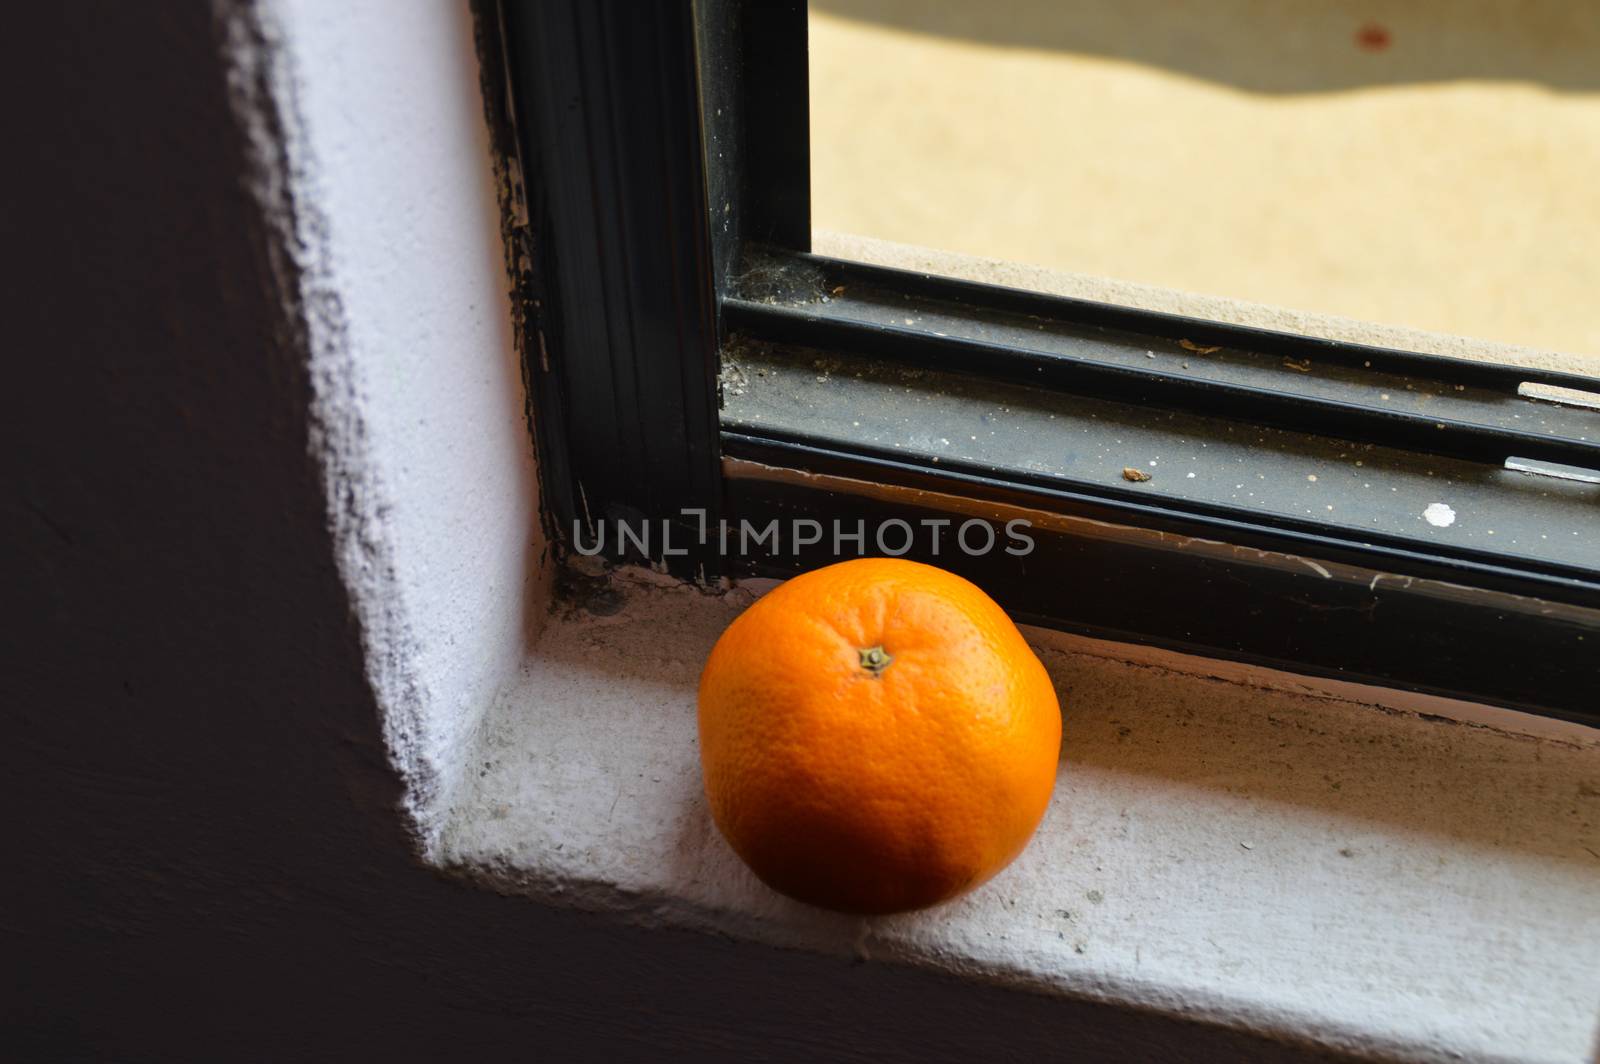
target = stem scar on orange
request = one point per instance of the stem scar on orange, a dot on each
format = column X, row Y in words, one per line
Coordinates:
column 876, row 736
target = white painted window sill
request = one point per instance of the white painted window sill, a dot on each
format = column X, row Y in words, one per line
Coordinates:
column 1355, row 876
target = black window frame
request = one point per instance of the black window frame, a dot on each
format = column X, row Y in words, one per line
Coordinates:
column 665, row 147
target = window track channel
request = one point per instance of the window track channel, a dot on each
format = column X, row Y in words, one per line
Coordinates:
column 1428, row 403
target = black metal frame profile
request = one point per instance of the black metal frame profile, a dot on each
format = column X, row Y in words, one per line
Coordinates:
column 665, row 148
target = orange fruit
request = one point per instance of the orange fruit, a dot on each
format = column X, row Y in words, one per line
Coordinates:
column 876, row 736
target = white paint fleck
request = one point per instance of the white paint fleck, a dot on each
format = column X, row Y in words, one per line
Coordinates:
column 1314, row 567
column 1439, row 515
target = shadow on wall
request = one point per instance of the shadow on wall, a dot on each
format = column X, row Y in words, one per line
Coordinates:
column 1271, row 46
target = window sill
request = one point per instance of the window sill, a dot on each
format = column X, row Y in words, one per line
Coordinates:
column 1286, row 863
column 1460, row 923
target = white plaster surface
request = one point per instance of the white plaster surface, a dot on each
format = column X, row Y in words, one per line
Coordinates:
column 1360, row 877
column 419, row 404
